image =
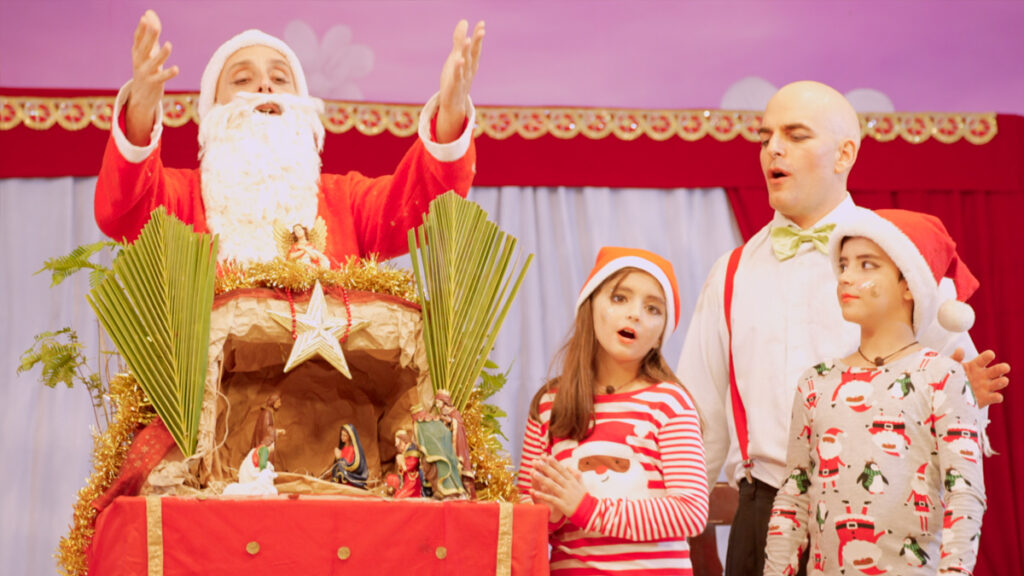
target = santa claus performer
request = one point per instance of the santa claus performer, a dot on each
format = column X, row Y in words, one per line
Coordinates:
column 889, row 264
column 260, row 140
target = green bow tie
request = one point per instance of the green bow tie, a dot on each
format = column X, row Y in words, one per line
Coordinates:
column 786, row 240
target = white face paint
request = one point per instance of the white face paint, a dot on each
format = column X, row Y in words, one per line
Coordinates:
column 868, row 287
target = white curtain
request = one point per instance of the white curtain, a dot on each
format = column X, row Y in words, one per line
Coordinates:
column 46, row 440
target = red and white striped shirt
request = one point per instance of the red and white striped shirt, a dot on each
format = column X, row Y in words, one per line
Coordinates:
column 643, row 466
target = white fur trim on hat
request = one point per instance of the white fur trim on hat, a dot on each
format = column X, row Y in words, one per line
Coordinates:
column 208, row 84
column 903, row 252
column 651, row 268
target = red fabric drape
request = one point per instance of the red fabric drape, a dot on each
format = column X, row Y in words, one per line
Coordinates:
column 982, row 217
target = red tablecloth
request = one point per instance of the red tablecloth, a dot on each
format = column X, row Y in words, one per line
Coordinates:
column 316, row 535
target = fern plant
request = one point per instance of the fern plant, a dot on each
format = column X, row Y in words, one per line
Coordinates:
column 62, row 359
column 59, row 354
column 64, row 266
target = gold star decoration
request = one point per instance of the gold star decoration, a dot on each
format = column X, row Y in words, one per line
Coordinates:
column 318, row 333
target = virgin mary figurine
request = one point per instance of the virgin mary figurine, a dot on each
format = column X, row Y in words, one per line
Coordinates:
column 349, row 460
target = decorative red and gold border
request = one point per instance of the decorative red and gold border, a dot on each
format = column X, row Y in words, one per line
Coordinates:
column 76, row 113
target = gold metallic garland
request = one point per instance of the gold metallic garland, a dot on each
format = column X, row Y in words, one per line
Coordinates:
column 495, row 475
column 109, row 451
column 371, row 119
column 367, row 275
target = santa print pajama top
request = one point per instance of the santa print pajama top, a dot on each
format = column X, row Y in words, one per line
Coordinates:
column 885, row 471
column 643, row 465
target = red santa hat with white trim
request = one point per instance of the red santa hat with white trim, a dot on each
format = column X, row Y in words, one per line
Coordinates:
column 925, row 253
column 253, row 37
column 611, row 259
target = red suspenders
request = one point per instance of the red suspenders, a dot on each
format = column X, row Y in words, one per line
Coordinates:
column 739, row 412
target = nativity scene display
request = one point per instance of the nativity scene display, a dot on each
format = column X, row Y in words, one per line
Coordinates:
column 304, row 377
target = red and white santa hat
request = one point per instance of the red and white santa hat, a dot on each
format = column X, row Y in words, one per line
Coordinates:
column 611, row 259
column 253, row 37
column 925, row 253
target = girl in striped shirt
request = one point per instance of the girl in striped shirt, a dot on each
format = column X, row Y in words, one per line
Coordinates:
column 613, row 445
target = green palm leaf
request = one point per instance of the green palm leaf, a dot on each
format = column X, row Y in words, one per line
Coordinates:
column 466, row 281
column 155, row 305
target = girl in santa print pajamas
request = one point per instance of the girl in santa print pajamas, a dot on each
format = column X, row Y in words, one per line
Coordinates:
column 895, row 451
column 613, row 444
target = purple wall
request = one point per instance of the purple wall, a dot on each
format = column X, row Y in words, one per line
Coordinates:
column 951, row 55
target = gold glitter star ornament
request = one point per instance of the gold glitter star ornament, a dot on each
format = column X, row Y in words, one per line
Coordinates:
column 318, row 333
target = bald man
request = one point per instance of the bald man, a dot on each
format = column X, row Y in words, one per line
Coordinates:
column 784, row 314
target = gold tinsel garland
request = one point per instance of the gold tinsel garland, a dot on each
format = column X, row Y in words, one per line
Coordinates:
column 495, row 475
column 109, row 450
column 367, row 275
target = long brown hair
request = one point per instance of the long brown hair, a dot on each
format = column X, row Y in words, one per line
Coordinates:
column 572, row 413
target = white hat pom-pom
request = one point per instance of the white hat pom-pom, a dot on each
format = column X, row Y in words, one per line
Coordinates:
column 956, row 316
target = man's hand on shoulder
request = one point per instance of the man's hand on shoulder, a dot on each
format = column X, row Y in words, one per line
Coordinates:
column 986, row 379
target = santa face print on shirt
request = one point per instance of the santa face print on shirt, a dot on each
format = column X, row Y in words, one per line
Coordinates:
column 963, row 439
column 609, row 464
column 855, row 390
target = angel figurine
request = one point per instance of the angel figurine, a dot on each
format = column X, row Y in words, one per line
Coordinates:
column 302, row 244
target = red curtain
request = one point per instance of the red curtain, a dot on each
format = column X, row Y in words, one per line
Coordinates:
column 979, row 194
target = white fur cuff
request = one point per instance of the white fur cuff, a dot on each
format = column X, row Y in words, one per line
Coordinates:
column 453, row 150
column 131, row 152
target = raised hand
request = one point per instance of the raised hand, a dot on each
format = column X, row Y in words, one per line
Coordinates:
column 456, row 80
column 148, row 79
column 986, row 381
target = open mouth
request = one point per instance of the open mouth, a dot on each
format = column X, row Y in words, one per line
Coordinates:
column 888, row 446
column 628, row 333
column 777, row 174
column 271, row 108
column 855, row 399
column 864, row 562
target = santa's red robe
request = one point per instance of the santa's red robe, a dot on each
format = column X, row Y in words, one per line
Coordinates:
column 363, row 215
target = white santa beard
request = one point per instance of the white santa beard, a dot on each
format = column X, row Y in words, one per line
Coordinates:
column 890, row 441
column 855, row 389
column 964, row 448
column 257, row 168
column 829, row 450
column 919, row 486
column 631, row 484
column 861, row 550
